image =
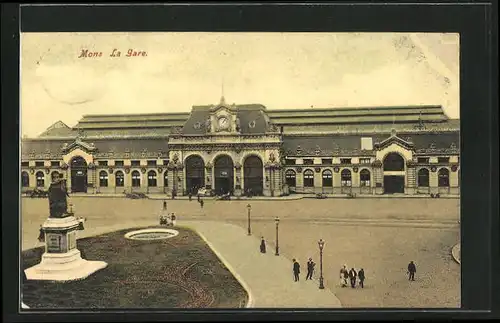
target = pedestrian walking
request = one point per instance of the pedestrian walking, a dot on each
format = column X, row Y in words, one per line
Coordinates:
column 173, row 219
column 201, row 203
column 361, row 277
column 310, row 269
column 190, row 195
column 352, row 276
column 344, row 274
column 262, row 245
column 164, row 205
column 296, row 270
column 412, row 269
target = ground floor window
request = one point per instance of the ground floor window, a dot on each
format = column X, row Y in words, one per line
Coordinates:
column 40, row 179
column 423, row 177
column 152, row 178
column 327, row 178
column 290, row 178
column 364, row 178
column 103, row 179
column 346, row 178
column 25, row 179
column 443, row 177
column 136, row 179
column 119, row 179
column 308, row 178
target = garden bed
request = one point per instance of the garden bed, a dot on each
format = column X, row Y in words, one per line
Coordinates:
column 181, row 272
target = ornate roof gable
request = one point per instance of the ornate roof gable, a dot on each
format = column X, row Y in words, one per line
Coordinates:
column 394, row 139
column 78, row 143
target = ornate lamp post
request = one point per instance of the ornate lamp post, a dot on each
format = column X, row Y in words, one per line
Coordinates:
column 249, row 207
column 277, row 221
column 321, row 244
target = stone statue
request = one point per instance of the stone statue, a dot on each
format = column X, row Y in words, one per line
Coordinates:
column 57, row 198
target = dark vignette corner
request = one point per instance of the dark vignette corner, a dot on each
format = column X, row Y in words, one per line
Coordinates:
column 10, row 159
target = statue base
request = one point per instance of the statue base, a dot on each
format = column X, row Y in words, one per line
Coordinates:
column 62, row 261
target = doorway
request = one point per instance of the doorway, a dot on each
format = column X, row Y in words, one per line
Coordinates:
column 195, row 174
column 394, row 184
column 78, row 175
column 223, row 173
column 253, row 175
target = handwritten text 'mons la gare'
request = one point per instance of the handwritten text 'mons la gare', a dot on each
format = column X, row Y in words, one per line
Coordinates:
column 115, row 53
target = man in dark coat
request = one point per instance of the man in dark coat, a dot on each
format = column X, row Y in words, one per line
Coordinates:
column 361, row 276
column 190, row 196
column 352, row 276
column 296, row 270
column 310, row 269
column 262, row 245
column 201, row 203
column 412, row 269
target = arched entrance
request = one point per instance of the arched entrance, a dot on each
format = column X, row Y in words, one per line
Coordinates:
column 195, row 173
column 253, row 172
column 223, row 174
column 394, row 174
column 78, row 175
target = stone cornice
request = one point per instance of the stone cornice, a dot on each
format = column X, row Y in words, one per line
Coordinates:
column 223, row 146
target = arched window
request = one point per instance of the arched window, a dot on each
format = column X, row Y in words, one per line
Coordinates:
column 364, row 178
column 394, row 162
column 25, row 179
column 103, row 178
column 327, row 178
column 119, row 179
column 444, row 177
column 290, row 178
column 346, row 178
column 152, row 178
column 423, row 177
column 165, row 179
column 40, row 179
column 136, row 178
column 308, row 178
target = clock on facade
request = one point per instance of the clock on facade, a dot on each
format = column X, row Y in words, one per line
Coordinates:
column 223, row 123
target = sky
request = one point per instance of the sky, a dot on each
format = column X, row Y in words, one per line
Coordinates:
column 278, row 70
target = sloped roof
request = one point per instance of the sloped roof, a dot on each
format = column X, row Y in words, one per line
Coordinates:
column 136, row 148
column 351, row 144
column 280, row 117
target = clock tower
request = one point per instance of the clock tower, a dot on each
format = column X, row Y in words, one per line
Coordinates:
column 224, row 118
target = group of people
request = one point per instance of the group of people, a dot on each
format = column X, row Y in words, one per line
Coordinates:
column 350, row 276
column 347, row 277
column 296, row 269
column 165, row 218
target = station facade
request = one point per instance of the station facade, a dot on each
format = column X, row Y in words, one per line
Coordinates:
column 229, row 148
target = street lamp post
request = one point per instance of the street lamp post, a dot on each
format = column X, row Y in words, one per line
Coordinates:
column 321, row 244
column 249, row 207
column 277, row 253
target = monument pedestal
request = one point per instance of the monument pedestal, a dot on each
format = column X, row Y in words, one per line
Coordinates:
column 62, row 260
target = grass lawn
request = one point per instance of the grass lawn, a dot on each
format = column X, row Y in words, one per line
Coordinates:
column 181, row 272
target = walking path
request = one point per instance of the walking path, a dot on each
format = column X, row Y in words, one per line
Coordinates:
column 267, row 278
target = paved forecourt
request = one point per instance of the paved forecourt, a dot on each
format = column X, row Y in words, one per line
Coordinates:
column 268, row 278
